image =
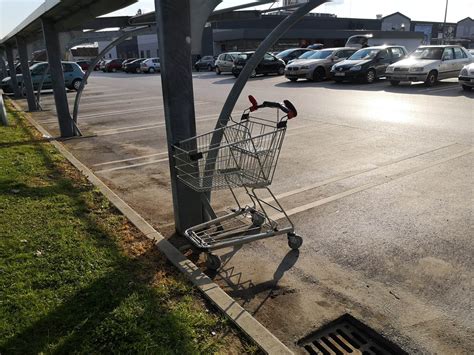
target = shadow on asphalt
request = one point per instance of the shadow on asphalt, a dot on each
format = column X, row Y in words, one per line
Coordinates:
column 247, row 290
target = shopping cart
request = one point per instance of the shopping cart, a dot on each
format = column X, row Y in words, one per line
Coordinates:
column 243, row 154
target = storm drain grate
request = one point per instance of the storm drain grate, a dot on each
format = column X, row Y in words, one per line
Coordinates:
column 347, row 335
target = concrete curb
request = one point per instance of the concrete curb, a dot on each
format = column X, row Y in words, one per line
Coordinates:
column 241, row 318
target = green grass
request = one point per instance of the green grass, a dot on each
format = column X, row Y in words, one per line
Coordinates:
column 76, row 277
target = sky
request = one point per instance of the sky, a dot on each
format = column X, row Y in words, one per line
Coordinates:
column 12, row 12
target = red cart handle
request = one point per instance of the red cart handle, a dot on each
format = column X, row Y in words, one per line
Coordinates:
column 287, row 106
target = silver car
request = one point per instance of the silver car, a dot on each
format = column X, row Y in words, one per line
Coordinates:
column 318, row 65
column 429, row 64
column 225, row 61
column 466, row 77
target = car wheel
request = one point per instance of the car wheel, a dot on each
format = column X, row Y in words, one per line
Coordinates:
column 235, row 74
column 281, row 71
column 76, row 84
column 431, row 78
column 293, row 79
column 218, row 71
column 318, row 74
column 394, row 82
column 253, row 74
column 151, row 70
column 370, row 76
column 197, row 68
column 466, row 88
column 114, row 70
column 209, row 67
column 137, row 70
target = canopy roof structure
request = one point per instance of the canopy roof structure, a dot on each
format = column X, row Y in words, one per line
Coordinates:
column 67, row 15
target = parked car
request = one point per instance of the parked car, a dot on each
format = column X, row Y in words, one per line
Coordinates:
column 466, row 77
column 316, row 46
column 368, row 64
column 205, row 63
column 134, row 66
column 104, row 63
column 73, row 76
column 429, row 64
column 291, row 53
column 305, row 55
column 126, row 61
column 150, row 65
column 113, row 65
column 84, row 64
column 318, row 65
column 270, row 64
column 225, row 61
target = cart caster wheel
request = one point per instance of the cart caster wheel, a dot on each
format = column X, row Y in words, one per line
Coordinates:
column 257, row 219
column 213, row 262
column 294, row 241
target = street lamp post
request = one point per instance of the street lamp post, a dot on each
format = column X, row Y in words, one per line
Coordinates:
column 444, row 23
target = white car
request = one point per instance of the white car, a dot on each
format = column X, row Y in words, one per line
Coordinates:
column 429, row 64
column 466, row 77
column 150, row 65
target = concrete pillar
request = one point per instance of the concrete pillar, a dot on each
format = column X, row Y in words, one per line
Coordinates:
column 174, row 39
column 51, row 39
column 11, row 67
column 25, row 70
column 3, row 67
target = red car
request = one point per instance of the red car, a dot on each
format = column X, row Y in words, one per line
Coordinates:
column 113, row 65
column 84, row 64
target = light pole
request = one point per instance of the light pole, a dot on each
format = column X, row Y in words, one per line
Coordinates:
column 444, row 23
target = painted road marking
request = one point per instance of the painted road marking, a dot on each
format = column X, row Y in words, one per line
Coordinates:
column 108, row 132
column 132, row 166
column 367, row 186
column 130, row 159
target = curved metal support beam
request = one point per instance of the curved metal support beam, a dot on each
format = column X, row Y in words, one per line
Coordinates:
column 244, row 75
column 263, row 48
column 111, row 45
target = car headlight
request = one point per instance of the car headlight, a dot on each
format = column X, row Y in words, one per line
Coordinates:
column 390, row 69
column 356, row 68
column 305, row 67
column 416, row 69
column 333, row 68
column 464, row 72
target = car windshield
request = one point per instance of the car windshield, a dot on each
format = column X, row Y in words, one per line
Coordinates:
column 284, row 53
column 364, row 54
column 306, row 55
column 320, row 54
column 244, row 56
column 427, row 53
column 38, row 68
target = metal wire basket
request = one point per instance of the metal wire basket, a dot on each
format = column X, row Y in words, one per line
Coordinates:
column 246, row 156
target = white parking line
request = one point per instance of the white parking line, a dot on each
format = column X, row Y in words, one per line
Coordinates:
column 130, row 159
column 108, row 132
column 132, row 166
column 367, row 186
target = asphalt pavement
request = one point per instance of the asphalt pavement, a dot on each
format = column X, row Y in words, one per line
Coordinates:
column 377, row 179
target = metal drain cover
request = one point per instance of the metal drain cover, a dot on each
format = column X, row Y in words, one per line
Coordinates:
column 347, row 335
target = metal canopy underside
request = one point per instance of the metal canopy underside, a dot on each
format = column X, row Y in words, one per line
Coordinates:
column 67, row 14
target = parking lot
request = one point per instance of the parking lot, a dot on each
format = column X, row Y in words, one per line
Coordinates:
column 377, row 179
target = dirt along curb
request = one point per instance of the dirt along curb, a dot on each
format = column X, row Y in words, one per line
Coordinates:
column 238, row 315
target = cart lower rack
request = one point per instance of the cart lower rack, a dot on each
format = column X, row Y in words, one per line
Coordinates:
column 242, row 155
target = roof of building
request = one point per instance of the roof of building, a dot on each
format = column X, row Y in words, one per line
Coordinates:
column 396, row 13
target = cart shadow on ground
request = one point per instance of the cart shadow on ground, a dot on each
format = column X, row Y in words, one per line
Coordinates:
column 245, row 290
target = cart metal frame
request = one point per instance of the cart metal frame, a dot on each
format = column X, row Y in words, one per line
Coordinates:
column 246, row 158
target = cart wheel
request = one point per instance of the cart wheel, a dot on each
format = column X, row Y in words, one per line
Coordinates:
column 294, row 241
column 257, row 219
column 213, row 262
